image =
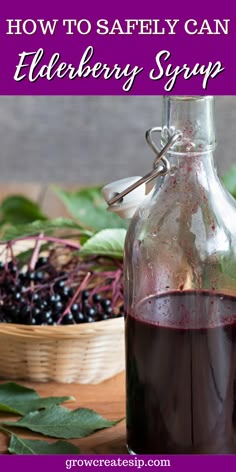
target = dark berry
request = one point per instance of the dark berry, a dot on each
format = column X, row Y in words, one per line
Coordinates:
column 43, row 317
column 22, row 278
column 79, row 317
column 56, row 316
column 105, row 303
column 36, row 311
column 12, row 312
column 40, row 305
column 59, row 285
column 22, row 301
column 39, row 276
column 33, row 321
column 12, row 267
column 17, row 296
column 19, row 287
column 90, row 311
column 30, row 275
column 56, row 297
column 108, row 310
column 42, row 261
column 74, row 308
column 97, row 297
column 2, row 266
column 70, row 292
column 10, row 288
column 85, row 295
column 68, row 319
column 25, row 314
column 56, row 307
column 9, row 309
column 90, row 319
column 50, row 321
column 33, row 296
column 104, row 316
column 65, row 293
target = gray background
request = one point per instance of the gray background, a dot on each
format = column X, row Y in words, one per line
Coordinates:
column 88, row 140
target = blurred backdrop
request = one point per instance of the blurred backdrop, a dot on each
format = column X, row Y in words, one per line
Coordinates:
column 89, row 139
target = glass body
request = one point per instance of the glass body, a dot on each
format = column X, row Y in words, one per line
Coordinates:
column 180, row 299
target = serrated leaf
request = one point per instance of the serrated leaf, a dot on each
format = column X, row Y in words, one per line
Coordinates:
column 229, row 180
column 108, row 242
column 88, row 206
column 60, row 422
column 21, row 446
column 20, row 400
column 17, row 209
column 38, row 227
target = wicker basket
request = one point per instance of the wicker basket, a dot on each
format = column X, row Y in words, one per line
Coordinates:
column 85, row 353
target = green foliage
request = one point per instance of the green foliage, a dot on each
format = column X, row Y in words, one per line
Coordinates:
column 21, row 446
column 89, row 208
column 108, row 242
column 42, row 415
column 229, row 180
column 17, row 209
column 20, row 400
column 37, row 227
column 59, row 422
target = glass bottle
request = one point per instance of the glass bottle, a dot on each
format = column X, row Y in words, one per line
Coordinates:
column 180, row 298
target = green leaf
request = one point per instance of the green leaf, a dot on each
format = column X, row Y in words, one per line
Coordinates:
column 88, row 206
column 38, row 227
column 27, row 446
column 60, row 422
column 25, row 256
column 108, row 242
column 228, row 265
column 18, row 209
column 229, row 180
column 15, row 398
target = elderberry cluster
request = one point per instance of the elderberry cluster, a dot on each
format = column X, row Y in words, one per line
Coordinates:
column 42, row 297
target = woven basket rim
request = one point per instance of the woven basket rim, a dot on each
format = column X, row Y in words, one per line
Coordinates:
column 62, row 331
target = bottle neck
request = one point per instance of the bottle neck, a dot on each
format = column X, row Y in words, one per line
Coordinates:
column 193, row 117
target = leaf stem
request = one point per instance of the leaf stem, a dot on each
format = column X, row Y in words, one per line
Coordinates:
column 4, row 430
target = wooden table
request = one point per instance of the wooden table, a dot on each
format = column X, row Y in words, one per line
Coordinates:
column 107, row 398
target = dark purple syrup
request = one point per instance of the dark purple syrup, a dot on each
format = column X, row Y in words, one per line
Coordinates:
column 181, row 374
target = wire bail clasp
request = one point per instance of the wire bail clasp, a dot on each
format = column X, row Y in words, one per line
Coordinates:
column 114, row 193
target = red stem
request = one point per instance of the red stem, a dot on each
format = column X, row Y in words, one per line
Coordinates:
column 35, row 254
column 75, row 296
column 47, row 238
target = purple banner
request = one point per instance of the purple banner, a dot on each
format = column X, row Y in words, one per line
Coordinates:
column 122, row 48
column 94, row 463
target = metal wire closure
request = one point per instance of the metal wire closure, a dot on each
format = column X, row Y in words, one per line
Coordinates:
column 161, row 165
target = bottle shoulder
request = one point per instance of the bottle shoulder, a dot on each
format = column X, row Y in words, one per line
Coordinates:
column 175, row 210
